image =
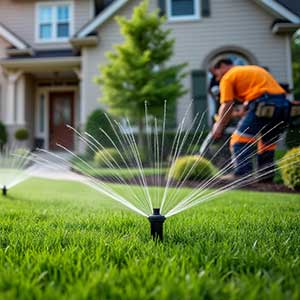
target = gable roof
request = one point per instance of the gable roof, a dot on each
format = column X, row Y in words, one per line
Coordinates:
column 292, row 5
column 286, row 9
column 100, row 18
column 12, row 38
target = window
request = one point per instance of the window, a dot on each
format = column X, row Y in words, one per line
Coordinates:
column 42, row 113
column 54, row 21
column 183, row 9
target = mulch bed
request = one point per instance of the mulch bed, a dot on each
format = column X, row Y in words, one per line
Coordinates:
column 258, row 186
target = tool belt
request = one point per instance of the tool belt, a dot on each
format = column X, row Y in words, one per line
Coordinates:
column 263, row 107
column 267, row 110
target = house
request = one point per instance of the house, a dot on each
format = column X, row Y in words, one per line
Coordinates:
column 50, row 52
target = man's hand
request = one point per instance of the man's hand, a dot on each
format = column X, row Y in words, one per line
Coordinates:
column 225, row 112
column 217, row 131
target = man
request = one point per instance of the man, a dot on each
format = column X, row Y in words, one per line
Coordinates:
column 264, row 119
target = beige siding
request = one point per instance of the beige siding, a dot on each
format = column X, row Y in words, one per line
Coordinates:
column 239, row 23
column 19, row 16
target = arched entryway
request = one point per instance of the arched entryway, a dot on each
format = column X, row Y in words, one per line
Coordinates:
column 201, row 79
column 239, row 59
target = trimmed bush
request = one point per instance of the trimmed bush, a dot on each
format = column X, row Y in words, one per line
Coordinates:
column 22, row 134
column 290, row 168
column 195, row 167
column 3, row 135
column 103, row 157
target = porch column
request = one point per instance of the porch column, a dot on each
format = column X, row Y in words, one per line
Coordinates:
column 11, row 96
column 78, row 72
column 21, row 94
column 79, row 145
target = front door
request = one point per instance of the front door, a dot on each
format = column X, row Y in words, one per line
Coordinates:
column 61, row 114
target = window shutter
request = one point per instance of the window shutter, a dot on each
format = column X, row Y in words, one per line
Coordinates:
column 162, row 7
column 199, row 91
column 205, row 8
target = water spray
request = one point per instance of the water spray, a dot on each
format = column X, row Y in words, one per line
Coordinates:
column 156, row 221
column 4, row 191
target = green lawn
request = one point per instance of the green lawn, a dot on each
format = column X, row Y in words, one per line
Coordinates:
column 61, row 240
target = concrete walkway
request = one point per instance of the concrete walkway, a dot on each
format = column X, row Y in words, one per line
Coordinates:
column 56, row 168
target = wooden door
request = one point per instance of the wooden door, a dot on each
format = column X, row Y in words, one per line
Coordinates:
column 61, row 114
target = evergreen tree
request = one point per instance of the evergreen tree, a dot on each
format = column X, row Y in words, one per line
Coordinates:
column 137, row 71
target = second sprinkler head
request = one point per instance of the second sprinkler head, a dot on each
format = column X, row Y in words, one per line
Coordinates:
column 4, row 191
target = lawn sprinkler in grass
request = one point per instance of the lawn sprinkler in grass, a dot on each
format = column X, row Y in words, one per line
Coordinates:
column 15, row 167
column 156, row 222
column 123, row 172
column 4, row 191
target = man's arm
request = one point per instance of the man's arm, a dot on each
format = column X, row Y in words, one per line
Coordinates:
column 225, row 112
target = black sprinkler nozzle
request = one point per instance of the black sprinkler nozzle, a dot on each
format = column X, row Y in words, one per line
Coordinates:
column 4, row 191
column 156, row 221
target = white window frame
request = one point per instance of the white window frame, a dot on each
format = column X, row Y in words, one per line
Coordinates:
column 54, row 38
column 194, row 17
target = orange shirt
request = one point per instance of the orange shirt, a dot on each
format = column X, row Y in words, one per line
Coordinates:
column 246, row 83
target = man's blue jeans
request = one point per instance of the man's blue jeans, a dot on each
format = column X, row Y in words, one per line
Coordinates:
column 257, row 136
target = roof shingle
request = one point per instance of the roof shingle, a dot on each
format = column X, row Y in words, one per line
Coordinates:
column 292, row 5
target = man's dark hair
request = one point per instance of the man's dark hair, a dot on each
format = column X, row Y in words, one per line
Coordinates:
column 225, row 61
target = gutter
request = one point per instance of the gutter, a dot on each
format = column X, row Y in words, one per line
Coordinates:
column 89, row 41
column 20, row 52
column 279, row 28
column 53, row 63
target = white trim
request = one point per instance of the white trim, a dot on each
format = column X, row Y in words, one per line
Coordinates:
column 280, row 10
column 102, row 17
column 11, row 38
column 289, row 62
column 54, row 38
column 194, row 17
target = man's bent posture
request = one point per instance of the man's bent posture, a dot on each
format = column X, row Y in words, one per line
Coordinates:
column 265, row 118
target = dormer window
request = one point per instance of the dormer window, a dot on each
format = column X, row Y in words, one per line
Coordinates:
column 181, row 10
column 54, row 21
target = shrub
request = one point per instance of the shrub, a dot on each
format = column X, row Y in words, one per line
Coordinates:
column 3, row 135
column 290, row 168
column 97, row 121
column 194, row 167
column 169, row 137
column 293, row 137
column 22, row 134
column 103, row 157
column 22, row 152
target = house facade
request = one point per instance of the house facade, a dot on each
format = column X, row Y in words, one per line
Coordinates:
column 50, row 52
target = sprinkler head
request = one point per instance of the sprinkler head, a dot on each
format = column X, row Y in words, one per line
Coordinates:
column 156, row 221
column 4, row 191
